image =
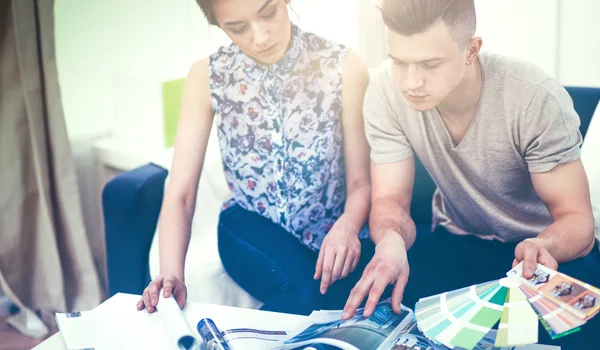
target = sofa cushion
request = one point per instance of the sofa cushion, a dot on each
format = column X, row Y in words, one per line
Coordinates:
column 585, row 100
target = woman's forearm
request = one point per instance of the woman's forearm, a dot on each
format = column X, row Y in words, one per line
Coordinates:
column 358, row 204
column 174, row 235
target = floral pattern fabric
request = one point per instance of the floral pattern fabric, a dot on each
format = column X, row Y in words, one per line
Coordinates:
column 280, row 134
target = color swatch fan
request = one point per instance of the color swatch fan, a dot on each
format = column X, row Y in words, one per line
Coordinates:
column 461, row 318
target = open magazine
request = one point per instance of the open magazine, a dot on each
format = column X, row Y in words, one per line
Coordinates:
column 236, row 338
column 383, row 330
column 116, row 324
column 357, row 333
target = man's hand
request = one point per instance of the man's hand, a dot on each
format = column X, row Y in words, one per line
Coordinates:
column 339, row 253
column 388, row 266
column 531, row 252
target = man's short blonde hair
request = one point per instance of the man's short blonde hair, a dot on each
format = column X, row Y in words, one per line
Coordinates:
column 408, row 17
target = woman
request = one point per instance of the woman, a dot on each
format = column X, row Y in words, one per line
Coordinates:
column 284, row 101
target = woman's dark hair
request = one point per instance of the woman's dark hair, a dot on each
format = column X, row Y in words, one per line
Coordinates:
column 207, row 8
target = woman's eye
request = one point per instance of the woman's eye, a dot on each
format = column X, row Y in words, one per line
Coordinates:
column 239, row 30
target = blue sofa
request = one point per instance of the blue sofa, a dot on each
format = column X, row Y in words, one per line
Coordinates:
column 132, row 201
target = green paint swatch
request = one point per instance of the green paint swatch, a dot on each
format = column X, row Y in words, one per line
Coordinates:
column 519, row 323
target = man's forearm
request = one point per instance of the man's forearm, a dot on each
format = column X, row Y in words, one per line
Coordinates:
column 568, row 238
column 389, row 216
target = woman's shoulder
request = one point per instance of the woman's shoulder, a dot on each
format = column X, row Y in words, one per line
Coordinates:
column 321, row 46
column 224, row 57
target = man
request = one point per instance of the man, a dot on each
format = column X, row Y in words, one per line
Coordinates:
column 500, row 139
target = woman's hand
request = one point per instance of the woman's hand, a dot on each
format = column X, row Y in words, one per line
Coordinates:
column 339, row 253
column 170, row 284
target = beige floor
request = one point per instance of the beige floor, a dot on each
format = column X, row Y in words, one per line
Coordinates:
column 13, row 340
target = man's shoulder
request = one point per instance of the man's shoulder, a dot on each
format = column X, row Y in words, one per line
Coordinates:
column 521, row 81
column 513, row 74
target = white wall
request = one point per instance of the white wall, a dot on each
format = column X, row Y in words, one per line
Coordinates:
column 579, row 56
column 371, row 33
column 529, row 33
column 97, row 39
column 557, row 35
column 332, row 19
column 523, row 29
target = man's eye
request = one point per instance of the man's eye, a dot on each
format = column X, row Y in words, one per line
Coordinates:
column 270, row 14
column 431, row 66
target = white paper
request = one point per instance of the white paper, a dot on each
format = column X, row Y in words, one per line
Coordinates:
column 117, row 324
column 75, row 329
column 174, row 323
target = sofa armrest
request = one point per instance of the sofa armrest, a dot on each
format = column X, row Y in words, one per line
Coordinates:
column 131, row 203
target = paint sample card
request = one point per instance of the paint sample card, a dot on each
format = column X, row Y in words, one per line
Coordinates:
column 557, row 321
column 519, row 323
column 506, row 313
column 463, row 317
column 578, row 297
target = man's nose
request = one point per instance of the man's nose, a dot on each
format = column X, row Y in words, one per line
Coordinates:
column 414, row 78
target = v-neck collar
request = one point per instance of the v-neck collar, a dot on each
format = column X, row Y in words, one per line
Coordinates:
column 453, row 146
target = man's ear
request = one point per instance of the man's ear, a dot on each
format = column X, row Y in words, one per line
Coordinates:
column 473, row 48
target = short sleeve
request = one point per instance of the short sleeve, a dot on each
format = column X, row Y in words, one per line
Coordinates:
column 550, row 129
column 386, row 138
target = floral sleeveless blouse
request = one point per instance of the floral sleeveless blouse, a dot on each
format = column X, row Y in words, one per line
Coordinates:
column 280, row 134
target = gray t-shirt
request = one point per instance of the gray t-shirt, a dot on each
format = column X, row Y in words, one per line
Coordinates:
column 525, row 123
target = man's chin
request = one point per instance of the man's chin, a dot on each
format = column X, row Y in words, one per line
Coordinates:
column 422, row 106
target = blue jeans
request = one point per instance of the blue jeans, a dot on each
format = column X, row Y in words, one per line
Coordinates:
column 441, row 261
column 275, row 268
